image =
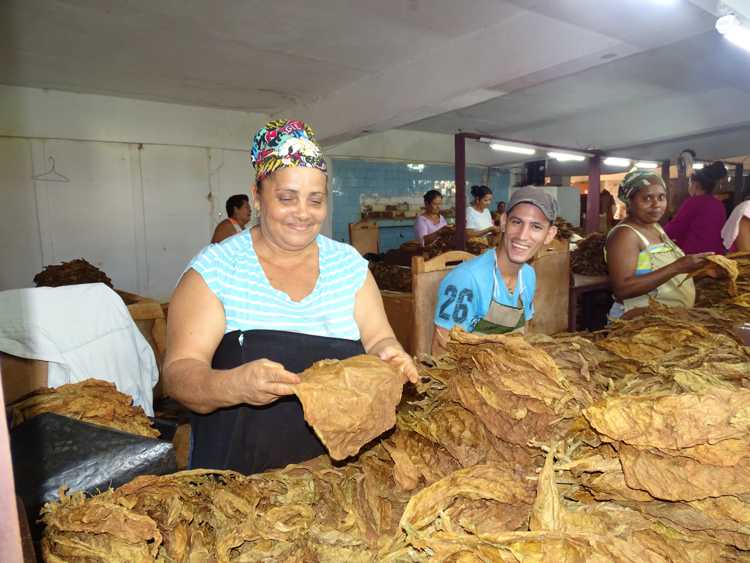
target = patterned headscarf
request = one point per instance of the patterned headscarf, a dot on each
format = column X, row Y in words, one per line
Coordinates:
column 282, row 143
column 637, row 179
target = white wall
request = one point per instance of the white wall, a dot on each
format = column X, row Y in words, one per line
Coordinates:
column 147, row 184
column 148, row 181
column 31, row 112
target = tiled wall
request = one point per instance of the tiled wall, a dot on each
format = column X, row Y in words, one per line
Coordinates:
column 353, row 178
column 499, row 184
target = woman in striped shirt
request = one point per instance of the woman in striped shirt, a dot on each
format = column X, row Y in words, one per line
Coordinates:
column 264, row 304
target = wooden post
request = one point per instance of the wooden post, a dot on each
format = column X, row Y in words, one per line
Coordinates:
column 592, row 198
column 665, row 172
column 460, row 175
column 681, row 189
column 739, row 184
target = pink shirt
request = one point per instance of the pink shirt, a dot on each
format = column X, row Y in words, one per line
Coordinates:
column 424, row 227
column 696, row 227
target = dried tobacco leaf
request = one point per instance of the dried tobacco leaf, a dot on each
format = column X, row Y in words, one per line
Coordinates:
column 547, row 514
column 642, row 546
column 711, row 292
column 610, row 523
column 720, row 267
column 350, row 402
column 515, row 390
column 457, row 430
column 673, row 421
column 417, row 460
column 722, row 519
column 506, row 356
column 633, row 341
column 671, row 477
column 92, row 400
column 580, row 362
column 447, row 497
column 742, row 300
column 669, row 425
column 611, row 485
column 509, row 417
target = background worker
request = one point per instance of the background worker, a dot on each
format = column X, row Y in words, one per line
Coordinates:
column 238, row 216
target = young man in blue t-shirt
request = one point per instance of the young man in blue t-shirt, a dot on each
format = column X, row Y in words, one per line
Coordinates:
column 494, row 293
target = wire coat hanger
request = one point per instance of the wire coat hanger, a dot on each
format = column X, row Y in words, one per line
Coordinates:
column 51, row 175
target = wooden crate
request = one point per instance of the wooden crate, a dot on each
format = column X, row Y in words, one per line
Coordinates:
column 552, row 267
column 399, row 308
column 150, row 317
column 364, row 236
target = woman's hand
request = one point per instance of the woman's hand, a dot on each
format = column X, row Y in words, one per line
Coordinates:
column 398, row 358
column 376, row 332
column 261, row 382
column 691, row 262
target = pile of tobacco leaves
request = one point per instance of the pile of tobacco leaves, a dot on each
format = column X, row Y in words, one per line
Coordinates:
column 445, row 242
column 71, row 273
column 565, row 230
column 588, row 257
column 391, row 277
column 92, row 400
column 630, row 444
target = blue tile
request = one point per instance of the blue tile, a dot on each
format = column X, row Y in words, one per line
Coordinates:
column 353, row 178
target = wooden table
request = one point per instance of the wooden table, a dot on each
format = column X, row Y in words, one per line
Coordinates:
column 581, row 285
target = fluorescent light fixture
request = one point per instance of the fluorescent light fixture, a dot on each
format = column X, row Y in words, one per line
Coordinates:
column 566, row 156
column 698, row 165
column 647, row 164
column 733, row 31
column 617, row 161
column 512, row 148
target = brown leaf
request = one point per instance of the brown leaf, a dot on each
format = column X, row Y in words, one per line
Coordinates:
column 348, row 403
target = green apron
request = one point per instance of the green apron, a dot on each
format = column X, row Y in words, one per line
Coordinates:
column 679, row 291
column 501, row 319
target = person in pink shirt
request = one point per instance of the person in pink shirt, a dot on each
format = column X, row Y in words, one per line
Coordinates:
column 430, row 222
column 696, row 227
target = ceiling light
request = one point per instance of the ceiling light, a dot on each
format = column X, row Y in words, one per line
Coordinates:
column 733, row 30
column 566, row 156
column 512, row 148
column 647, row 164
column 698, row 166
column 617, row 161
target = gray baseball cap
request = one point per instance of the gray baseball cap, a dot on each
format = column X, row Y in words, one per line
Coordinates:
column 535, row 196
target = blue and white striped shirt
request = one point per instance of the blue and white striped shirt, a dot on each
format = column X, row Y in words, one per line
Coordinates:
column 232, row 271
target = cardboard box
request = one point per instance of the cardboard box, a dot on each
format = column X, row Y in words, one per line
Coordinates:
column 21, row 376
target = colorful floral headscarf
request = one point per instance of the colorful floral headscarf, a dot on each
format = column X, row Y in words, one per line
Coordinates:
column 637, row 179
column 282, row 143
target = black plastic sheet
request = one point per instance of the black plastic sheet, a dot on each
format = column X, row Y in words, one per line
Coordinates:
column 50, row 451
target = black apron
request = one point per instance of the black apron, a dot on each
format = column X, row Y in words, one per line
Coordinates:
column 252, row 439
